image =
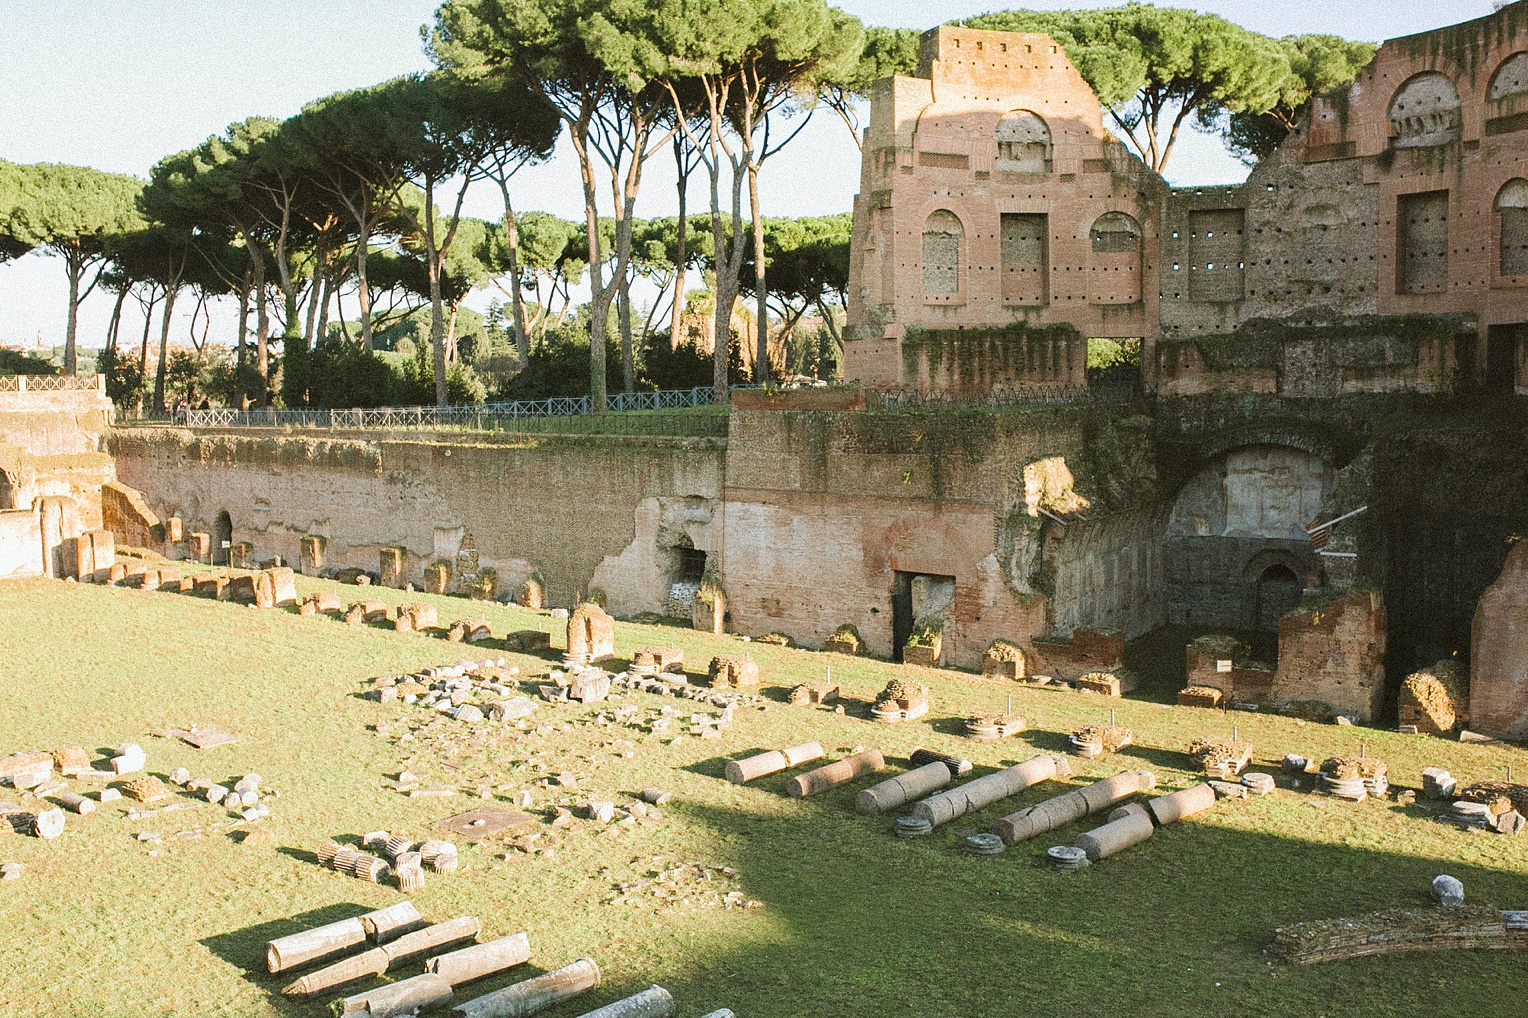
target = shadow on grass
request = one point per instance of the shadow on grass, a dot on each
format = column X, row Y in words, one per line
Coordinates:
column 1073, row 944
column 245, row 949
column 1163, row 758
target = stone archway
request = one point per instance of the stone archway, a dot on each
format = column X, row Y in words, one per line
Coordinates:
column 1278, row 594
column 8, row 492
column 1236, row 546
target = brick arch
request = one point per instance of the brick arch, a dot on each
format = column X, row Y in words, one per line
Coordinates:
column 1263, row 434
column 922, row 544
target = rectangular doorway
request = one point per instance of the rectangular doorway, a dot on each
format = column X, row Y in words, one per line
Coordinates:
column 1501, row 357
column 911, row 594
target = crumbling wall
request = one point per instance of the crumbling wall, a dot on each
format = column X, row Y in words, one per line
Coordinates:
column 51, row 443
column 823, row 507
column 127, row 515
column 1499, row 652
column 557, row 505
column 1335, row 654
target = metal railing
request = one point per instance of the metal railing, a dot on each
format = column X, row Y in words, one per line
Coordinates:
column 482, row 416
column 50, row 383
column 1040, row 395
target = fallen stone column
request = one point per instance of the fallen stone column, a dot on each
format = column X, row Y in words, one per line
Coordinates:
column 772, row 762
column 1115, row 836
column 1063, row 809
column 903, row 789
column 405, row 997
column 974, row 795
column 392, row 922
column 835, row 774
column 291, row 951
column 532, row 995
column 653, row 1002
column 379, row 959
column 1166, row 809
column 480, row 960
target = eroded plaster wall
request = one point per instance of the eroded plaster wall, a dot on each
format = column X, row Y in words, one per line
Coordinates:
column 582, row 512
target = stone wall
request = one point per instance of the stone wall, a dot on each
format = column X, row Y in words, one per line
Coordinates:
column 52, row 466
column 52, row 443
column 823, row 510
column 581, row 511
column 1499, row 653
column 1333, row 654
column 991, row 198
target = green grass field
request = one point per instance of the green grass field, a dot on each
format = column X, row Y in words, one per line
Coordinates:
column 854, row 923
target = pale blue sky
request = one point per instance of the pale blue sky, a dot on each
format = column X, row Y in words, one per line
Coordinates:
column 117, row 84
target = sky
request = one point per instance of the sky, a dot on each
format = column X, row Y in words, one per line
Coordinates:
column 118, row 84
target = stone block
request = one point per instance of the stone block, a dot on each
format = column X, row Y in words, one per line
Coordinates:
column 915, row 654
column 531, row 594
column 310, row 554
column 275, row 588
column 470, row 631
column 437, row 578
column 241, row 555
column 174, row 539
column 199, row 548
column 732, row 672
column 320, row 601
column 210, row 586
column 416, row 617
column 390, row 567
column 241, row 589
column 365, row 612
column 591, row 635
column 528, row 641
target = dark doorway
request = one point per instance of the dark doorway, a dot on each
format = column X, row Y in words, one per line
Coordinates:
column 692, row 565
column 1278, row 594
column 7, row 491
column 901, row 612
column 222, row 538
column 1501, row 357
column 1464, row 361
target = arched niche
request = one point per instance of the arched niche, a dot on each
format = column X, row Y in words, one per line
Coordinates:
column 1023, row 143
column 943, row 241
column 1425, row 112
column 1114, row 270
column 1510, row 79
column 1512, row 227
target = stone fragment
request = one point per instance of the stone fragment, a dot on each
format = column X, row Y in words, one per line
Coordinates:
column 603, row 812
column 1447, row 891
column 129, row 758
column 180, row 777
column 732, row 672
column 71, row 761
column 655, row 796
column 589, row 686
column 12, row 870
column 591, row 635
column 469, row 712
column 512, row 710
column 145, row 789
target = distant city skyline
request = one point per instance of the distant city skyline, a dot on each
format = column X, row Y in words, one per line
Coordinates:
column 120, row 85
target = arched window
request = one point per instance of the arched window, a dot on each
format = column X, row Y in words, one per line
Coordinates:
column 1114, row 275
column 1023, row 143
column 1425, row 112
column 1512, row 220
column 7, row 492
column 1510, row 79
column 942, row 236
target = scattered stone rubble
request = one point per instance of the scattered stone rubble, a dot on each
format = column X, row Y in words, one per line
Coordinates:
column 674, row 887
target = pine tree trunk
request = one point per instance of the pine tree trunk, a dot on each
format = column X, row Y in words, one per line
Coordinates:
column 75, row 271
column 164, row 342
column 437, row 323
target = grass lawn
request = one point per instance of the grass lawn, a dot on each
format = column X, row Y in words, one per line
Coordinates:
column 853, row 923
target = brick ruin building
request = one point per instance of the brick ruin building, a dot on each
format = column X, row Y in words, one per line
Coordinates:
column 1342, row 332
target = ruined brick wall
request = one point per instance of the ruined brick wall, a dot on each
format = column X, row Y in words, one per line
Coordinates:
column 991, row 197
column 132, row 523
column 1499, row 653
column 1406, row 194
column 52, row 443
column 582, row 511
column 824, row 508
column 1335, row 654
